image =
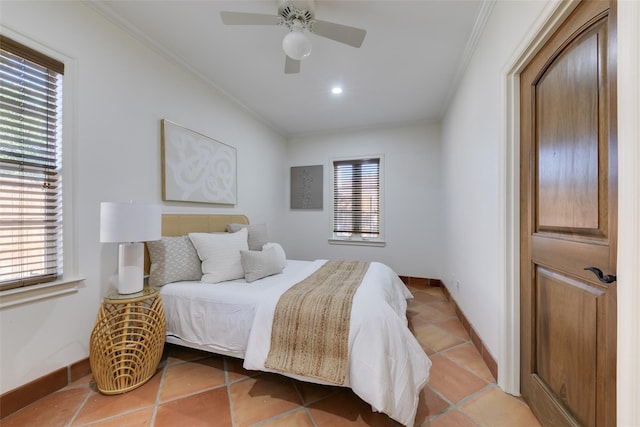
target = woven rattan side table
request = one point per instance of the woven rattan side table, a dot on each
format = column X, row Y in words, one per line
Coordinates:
column 127, row 341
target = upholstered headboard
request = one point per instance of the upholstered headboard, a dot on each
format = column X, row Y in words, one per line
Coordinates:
column 181, row 224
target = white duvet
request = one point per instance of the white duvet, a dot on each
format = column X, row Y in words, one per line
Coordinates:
column 387, row 366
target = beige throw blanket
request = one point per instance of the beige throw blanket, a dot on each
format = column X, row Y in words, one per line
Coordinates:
column 310, row 332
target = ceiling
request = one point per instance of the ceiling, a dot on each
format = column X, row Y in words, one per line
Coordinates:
column 405, row 71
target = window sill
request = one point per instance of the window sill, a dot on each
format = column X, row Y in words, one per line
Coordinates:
column 358, row 242
column 17, row 296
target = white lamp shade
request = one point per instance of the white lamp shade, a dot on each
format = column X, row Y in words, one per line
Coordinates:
column 296, row 44
column 129, row 222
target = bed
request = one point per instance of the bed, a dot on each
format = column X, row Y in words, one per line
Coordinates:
column 385, row 365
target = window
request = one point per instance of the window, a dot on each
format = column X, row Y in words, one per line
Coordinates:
column 357, row 200
column 30, row 166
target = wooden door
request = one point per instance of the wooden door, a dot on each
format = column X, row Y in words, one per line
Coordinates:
column 569, row 221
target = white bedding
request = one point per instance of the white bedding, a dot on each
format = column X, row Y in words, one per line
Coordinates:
column 387, row 366
column 218, row 316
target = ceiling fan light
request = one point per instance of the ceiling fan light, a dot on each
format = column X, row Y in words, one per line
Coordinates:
column 296, row 45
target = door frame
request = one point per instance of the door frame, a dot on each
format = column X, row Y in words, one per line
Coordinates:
column 628, row 271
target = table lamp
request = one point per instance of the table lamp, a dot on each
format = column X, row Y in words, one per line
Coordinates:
column 130, row 224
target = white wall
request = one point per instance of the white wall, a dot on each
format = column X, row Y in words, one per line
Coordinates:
column 473, row 180
column 412, row 198
column 628, row 363
column 123, row 90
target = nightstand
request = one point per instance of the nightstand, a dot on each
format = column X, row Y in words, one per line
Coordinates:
column 127, row 341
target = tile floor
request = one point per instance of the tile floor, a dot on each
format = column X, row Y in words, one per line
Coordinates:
column 193, row 388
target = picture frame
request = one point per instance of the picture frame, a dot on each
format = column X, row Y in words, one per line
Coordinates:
column 306, row 187
column 196, row 168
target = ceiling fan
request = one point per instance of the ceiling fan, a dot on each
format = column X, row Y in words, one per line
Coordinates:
column 299, row 17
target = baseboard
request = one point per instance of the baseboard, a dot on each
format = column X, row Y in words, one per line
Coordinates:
column 475, row 338
column 420, row 281
column 26, row 394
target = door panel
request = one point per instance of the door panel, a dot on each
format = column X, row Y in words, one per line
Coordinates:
column 568, row 222
column 567, row 110
column 565, row 320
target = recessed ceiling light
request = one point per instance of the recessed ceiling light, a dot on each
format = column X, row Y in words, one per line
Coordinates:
column 336, row 90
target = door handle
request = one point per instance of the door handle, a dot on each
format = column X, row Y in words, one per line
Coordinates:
column 608, row 278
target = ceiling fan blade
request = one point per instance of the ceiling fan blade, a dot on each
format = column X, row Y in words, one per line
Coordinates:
column 242, row 18
column 291, row 66
column 340, row 33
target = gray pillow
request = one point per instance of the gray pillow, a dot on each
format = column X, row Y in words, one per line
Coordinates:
column 173, row 259
column 257, row 234
column 259, row 264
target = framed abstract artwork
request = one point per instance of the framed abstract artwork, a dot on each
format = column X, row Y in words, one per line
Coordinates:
column 196, row 168
column 306, row 187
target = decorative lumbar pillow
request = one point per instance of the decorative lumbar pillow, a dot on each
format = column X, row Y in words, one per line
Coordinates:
column 220, row 254
column 173, row 259
column 282, row 257
column 259, row 264
column 257, row 234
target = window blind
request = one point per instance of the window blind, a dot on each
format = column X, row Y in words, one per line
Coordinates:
column 30, row 166
column 356, row 197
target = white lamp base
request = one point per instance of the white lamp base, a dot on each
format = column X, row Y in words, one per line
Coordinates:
column 130, row 268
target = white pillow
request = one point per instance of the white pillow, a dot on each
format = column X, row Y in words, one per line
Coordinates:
column 220, row 254
column 282, row 257
column 257, row 234
column 259, row 264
